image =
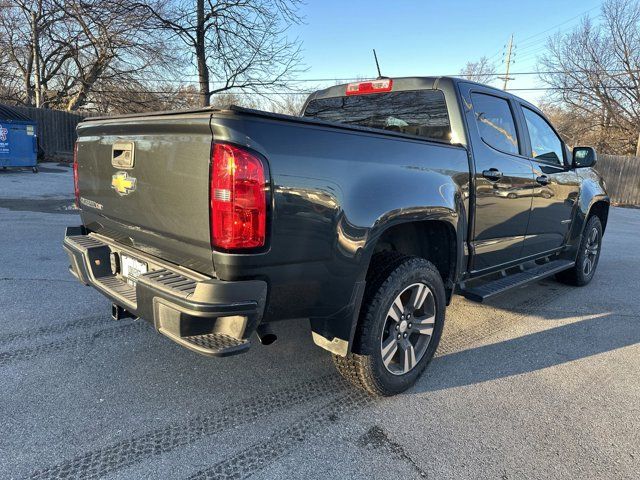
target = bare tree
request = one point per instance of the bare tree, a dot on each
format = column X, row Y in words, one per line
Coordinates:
column 483, row 71
column 595, row 71
column 234, row 43
column 225, row 99
column 136, row 97
column 583, row 128
column 288, row 104
column 65, row 51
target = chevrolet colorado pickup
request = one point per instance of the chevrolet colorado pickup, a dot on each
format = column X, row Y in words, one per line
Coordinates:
column 364, row 215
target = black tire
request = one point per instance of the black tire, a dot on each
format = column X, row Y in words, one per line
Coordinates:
column 580, row 275
column 391, row 276
column 34, row 169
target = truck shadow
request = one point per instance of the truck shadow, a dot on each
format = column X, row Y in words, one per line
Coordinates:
column 530, row 353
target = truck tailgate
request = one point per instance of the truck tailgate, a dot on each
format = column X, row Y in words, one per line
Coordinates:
column 156, row 197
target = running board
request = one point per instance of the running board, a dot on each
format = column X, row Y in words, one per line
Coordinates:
column 496, row 287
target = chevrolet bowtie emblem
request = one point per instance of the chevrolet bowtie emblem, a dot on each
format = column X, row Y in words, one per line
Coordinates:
column 122, row 183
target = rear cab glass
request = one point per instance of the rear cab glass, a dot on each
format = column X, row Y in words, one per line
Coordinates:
column 415, row 112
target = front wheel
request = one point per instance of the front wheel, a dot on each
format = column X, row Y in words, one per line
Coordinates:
column 400, row 325
column 588, row 255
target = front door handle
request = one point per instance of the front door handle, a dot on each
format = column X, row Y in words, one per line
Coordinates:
column 492, row 174
column 543, row 180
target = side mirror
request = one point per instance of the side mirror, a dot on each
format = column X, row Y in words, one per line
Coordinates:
column 584, row 157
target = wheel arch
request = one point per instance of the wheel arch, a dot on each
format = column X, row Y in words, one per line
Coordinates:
column 600, row 208
column 434, row 238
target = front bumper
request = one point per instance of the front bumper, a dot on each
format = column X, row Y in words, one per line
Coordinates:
column 210, row 316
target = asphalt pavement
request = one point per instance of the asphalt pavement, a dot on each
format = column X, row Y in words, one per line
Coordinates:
column 541, row 383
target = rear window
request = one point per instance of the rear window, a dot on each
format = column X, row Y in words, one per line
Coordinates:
column 415, row 112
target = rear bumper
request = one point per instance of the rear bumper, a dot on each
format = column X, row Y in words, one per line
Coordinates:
column 207, row 315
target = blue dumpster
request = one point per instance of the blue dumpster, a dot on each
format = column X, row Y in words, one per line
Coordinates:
column 18, row 140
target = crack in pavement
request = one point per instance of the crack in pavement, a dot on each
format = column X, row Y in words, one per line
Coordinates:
column 376, row 438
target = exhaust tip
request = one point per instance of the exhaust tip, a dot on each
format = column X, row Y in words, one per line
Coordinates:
column 265, row 334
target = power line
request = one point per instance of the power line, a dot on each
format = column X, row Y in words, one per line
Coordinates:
column 532, row 54
column 524, row 40
column 265, row 93
column 302, row 80
column 572, row 89
column 525, row 44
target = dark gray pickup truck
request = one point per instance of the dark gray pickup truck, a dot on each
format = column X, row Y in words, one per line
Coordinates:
column 364, row 215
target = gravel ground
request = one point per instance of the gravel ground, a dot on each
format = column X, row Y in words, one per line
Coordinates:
column 541, row 383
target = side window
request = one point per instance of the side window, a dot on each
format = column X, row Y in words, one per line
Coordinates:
column 545, row 144
column 495, row 122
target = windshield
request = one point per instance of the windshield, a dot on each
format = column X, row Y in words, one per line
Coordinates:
column 415, row 112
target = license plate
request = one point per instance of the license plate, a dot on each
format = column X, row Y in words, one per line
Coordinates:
column 131, row 268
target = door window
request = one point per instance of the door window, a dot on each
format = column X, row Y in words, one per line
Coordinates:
column 495, row 122
column 545, row 144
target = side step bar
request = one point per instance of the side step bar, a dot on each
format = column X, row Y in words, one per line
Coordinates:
column 488, row 290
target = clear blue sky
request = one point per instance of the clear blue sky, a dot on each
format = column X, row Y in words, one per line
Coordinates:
column 415, row 37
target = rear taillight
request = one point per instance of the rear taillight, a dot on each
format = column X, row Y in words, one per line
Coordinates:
column 76, row 188
column 374, row 86
column 238, row 200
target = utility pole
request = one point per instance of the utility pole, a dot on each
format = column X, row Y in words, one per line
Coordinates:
column 506, row 77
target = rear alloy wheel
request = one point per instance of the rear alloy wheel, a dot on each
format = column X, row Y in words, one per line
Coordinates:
column 400, row 325
column 408, row 329
column 588, row 255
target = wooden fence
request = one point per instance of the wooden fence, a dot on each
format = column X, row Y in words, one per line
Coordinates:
column 622, row 177
column 56, row 130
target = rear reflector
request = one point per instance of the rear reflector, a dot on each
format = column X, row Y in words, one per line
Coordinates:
column 238, row 207
column 374, row 86
column 76, row 188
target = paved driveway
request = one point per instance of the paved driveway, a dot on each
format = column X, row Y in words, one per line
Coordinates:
column 541, row 383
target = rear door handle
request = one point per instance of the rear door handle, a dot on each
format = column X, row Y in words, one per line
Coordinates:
column 543, row 180
column 492, row 174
